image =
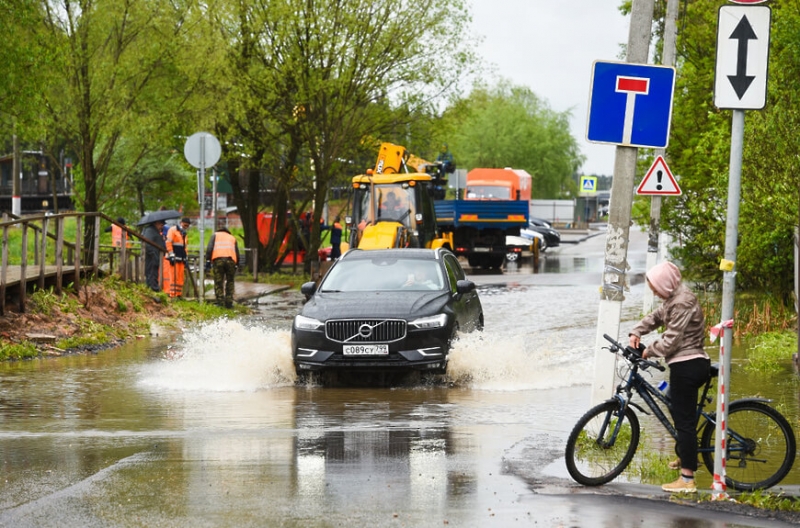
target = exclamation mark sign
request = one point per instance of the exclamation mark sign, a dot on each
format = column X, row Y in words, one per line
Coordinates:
column 659, row 174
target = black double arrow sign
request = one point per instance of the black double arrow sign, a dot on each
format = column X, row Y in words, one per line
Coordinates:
column 743, row 33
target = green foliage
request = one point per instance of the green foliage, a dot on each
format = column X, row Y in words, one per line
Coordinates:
column 766, row 500
column 509, row 126
column 312, row 83
column 762, row 499
column 699, row 155
column 771, row 352
column 90, row 334
column 43, row 301
column 653, row 468
column 23, row 350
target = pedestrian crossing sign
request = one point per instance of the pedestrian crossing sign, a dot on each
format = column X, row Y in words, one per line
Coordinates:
column 588, row 184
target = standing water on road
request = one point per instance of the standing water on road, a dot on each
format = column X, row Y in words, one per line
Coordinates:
column 209, row 427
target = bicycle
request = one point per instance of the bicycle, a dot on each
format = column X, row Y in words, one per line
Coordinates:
column 760, row 442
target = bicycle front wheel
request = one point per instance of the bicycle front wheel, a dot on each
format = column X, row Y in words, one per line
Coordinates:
column 602, row 444
column 761, row 446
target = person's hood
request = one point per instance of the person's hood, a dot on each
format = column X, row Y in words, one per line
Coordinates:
column 665, row 278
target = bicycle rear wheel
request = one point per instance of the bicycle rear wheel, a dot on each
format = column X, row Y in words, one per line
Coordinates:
column 760, row 447
column 601, row 445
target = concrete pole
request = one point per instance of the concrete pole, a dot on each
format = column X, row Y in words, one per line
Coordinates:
column 654, row 239
column 616, row 266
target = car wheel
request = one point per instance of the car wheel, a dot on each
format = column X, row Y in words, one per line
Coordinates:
column 512, row 256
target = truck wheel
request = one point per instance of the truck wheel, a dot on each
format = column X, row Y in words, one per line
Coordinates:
column 496, row 262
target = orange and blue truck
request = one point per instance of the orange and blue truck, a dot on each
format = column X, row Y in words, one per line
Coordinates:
column 495, row 204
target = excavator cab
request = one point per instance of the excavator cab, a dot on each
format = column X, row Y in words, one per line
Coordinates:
column 393, row 207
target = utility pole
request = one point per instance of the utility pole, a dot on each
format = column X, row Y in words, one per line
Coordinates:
column 654, row 239
column 616, row 254
column 16, row 179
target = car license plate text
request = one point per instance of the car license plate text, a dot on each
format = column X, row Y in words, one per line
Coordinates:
column 365, row 350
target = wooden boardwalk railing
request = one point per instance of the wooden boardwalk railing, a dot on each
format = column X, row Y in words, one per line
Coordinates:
column 58, row 269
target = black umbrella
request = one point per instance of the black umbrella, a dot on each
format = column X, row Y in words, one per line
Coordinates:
column 155, row 216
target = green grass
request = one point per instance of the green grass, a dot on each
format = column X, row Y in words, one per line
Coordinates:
column 763, row 500
column 23, row 350
column 772, row 352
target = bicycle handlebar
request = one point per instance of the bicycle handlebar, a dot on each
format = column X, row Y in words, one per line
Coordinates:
column 631, row 354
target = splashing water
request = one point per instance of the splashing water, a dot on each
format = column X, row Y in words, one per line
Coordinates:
column 224, row 356
column 230, row 356
column 489, row 361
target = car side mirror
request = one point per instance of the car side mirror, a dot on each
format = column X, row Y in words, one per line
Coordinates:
column 308, row 289
column 465, row 286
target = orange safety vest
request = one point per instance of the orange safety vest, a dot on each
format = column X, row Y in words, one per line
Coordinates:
column 176, row 242
column 118, row 235
column 224, row 246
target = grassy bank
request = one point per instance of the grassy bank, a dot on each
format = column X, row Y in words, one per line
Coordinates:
column 103, row 313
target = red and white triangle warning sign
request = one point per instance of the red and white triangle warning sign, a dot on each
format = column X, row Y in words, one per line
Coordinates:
column 659, row 180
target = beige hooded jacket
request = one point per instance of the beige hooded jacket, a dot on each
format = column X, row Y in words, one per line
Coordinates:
column 680, row 315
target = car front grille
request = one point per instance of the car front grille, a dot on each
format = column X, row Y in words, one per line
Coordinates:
column 365, row 330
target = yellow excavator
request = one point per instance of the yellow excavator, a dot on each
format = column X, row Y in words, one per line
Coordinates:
column 393, row 203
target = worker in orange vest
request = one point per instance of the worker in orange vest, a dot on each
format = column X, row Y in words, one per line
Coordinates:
column 222, row 254
column 175, row 259
column 118, row 234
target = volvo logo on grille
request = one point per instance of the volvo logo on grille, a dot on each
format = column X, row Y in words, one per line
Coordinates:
column 365, row 330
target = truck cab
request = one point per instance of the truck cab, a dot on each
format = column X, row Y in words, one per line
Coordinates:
column 498, row 184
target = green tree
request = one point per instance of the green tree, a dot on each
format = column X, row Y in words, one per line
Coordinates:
column 510, row 126
column 125, row 72
column 310, row 77
column 699, row 153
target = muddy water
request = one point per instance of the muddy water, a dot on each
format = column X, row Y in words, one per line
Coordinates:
column 207, row 427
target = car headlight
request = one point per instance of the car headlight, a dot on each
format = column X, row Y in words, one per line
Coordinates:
column 302, row 322
column 437, row 321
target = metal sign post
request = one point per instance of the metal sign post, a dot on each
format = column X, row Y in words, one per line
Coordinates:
column 202, row 150
column 741, row 80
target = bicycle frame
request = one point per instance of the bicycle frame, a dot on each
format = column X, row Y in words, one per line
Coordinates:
column 635, row 382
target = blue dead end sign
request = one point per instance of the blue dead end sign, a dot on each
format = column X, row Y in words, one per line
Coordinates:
column 630, row 104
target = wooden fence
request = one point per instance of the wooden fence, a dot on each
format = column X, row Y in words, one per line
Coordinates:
column 69, row 261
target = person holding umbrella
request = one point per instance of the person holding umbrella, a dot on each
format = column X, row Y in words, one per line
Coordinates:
column 154, row 224
column 152, row 256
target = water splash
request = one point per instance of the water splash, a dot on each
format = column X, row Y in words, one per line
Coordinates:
column 231, row 356
column 224, row 356
column 489, row 361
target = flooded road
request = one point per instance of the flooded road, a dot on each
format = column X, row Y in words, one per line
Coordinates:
column 208, row 427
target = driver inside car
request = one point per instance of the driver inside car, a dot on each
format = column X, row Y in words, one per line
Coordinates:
column 421, row 278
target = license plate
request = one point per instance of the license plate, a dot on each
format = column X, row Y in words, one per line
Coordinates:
column 365, row 350
column 481, row 250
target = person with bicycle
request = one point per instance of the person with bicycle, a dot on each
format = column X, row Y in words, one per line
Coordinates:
column 681, row 345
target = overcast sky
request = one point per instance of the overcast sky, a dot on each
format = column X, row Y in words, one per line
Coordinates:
column 549, row 46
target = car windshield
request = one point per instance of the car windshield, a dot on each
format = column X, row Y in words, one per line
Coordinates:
column 382, row 274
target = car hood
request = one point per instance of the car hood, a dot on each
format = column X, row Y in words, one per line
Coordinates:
column 402, row 305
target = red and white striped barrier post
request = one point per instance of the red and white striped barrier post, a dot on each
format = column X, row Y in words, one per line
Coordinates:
column 720, row 449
